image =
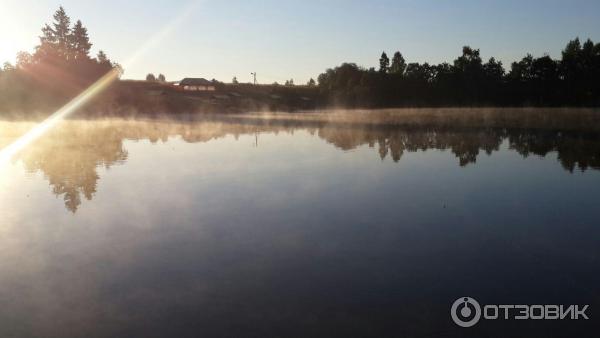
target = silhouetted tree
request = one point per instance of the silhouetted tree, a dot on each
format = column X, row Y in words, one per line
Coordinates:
column 491, row 85
column 384, row 63
column 150, row 77
column 62, row 61
column 470, row 81
column 311, row 82
column 544, row 69
column 572, row 61
column 234, row 80
column 161, row 78
column 417, row 72
column 56, row 38
column 493, row 70
column 398, row 64
column 102, row 58
column 63, row 55
column 522, row 70
column 59, row 67
column 80, row 42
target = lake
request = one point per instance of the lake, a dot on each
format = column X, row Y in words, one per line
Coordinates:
column 280, row 225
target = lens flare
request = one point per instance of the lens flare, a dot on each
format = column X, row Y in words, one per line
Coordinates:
column 8, row 152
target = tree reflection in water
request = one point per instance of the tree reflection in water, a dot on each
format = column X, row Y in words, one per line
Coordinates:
column 69, row 155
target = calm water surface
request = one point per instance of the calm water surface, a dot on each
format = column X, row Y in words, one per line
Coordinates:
column 127, row 228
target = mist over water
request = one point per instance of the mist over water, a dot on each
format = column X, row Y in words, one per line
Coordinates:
column 296, row 225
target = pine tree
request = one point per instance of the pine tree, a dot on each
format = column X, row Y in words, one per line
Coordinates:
column 102, row 58
column 55, row 39
column 384, row 63
column 80, row 42
column 105, row 64
column 62, row 32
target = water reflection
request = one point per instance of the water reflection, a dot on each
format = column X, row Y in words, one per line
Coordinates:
column 69, row 155
column 321, row 228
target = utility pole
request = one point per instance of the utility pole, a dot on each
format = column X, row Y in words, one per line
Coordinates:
column 254, row 74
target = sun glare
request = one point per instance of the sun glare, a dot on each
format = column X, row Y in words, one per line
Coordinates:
column 8, row 152
column 13, row 38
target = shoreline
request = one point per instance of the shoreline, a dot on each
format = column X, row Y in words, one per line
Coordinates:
column 548, row 119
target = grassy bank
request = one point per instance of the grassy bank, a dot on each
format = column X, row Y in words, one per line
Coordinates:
column 127, row 97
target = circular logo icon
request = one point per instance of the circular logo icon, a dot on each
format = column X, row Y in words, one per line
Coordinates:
column 465, row 312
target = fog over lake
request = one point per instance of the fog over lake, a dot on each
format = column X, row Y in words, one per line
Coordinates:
column 282, row 225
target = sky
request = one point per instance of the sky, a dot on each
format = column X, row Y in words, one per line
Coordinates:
column 282, row 39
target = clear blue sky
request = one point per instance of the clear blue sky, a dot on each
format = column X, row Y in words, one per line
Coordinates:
column 300, row 39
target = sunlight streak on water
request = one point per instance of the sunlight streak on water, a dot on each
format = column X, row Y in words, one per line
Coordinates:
column 8, row 152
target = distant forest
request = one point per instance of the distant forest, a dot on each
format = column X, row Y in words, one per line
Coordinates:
column 61, row 66
column 574, row 80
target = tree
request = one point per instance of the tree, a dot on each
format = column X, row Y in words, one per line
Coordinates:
column 311, row 82
column 24, row 59
column 80, row 42
column 65, row 51
column 571, row 59
column 522, row 70
column 493, row 70
column 469, row 63
column 544, row 69
column 161, row 78
column 384, row 63
column 418, row 72
column 104, row 64
column 7, row 67
column 59, row 67
column 102, row 58
column 150, row 77
column 62, row 29
column 56, row 39
column 398, row 64
column 234, row 80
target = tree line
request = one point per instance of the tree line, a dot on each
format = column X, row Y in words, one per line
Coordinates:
column 573, row 80
column 61, row 65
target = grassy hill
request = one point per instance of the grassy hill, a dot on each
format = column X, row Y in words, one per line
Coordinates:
column 128, row 96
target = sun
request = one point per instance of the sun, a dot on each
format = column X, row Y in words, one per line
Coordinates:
column 8, row 43
column 7, row 51
column 14, row 35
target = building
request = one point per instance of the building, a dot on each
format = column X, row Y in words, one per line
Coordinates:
column 197, row 84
